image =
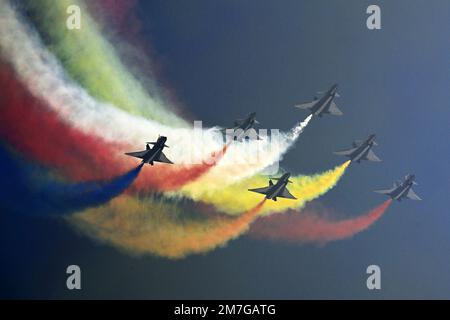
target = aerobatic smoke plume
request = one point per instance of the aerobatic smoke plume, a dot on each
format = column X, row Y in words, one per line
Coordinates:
column 71, row 107
column 31, row 189
column 314, row 224
column 165, row 230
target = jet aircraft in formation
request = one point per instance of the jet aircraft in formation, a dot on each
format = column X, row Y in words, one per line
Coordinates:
column 360, row 150
column 277, row 190
column 323, row 105
column 402, row 189
column 241, row 128
column 152, row 154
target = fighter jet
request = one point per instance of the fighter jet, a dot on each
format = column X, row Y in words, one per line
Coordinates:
column 241, row 126
column 362, row 150
column 153, row 154
column 277, row 190
column 324, row 105
column 402, row 189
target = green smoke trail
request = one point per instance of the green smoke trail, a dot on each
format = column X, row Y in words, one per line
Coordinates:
column 90, row 59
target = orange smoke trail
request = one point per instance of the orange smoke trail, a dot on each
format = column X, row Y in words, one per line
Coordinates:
column 90, row 158
column 308, row 226
column 149, row 227
column 237, row 225
column 224, row 231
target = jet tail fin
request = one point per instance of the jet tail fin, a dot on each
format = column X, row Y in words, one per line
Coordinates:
column 334, row 110
column 286, row 194
column 371, row 156
column 162, row 158
column 412, row 195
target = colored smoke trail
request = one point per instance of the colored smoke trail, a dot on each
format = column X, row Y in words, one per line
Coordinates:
column 84, row 117
column 246, row 165
column 300, row 127
column 31, row 129
column 86, row 50
column 120, row 25
column 173, row 177
column 44, row 77
column 309, row 226
column 235, row 198
column 75, row 154
column 28, row 188
column 147, row 226
column 75, row 197
column 41, row 136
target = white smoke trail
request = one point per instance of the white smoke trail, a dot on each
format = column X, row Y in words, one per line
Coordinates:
column 295, row 132
column 40, row 71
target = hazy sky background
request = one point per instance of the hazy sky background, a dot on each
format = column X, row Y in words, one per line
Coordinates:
column 225, row 59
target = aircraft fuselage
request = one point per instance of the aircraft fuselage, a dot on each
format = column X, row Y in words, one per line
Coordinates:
column 324, row 103
column 402, row 190
column 278, row 188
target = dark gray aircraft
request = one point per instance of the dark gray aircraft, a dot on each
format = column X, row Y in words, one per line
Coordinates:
column 241, row 126
column 362, row 150
column 154, row 154
column 277, row 190
column 402, row 189
column 324, row 105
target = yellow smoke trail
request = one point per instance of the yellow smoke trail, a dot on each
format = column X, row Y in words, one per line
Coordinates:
column 235, row 198
column 150, row 227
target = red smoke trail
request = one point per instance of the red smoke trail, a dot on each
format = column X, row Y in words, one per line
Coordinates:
column 308, row 226
column 227, row 229
column 176, row 176
column 253, row 212
column 29, row 126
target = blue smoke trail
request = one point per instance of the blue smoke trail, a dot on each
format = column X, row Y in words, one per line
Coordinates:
column 28, row 188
